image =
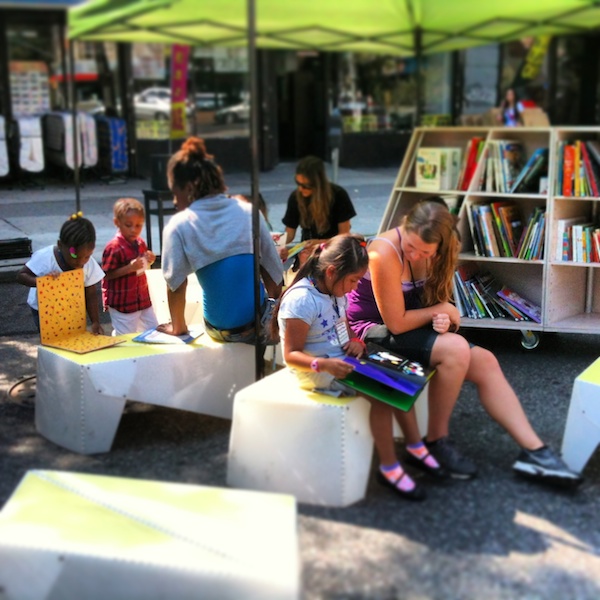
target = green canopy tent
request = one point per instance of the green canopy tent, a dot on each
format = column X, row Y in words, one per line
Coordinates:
column 394, row 27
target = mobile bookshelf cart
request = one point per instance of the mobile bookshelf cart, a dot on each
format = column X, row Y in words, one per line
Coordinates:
column 566, row 289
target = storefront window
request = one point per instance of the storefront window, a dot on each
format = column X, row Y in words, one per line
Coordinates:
column 379, row 93
column 217, row 84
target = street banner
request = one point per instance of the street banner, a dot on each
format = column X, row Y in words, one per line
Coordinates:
column 179, row 68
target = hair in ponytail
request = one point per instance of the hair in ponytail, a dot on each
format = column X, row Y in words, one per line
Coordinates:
column 346, row 252
column 192, row 164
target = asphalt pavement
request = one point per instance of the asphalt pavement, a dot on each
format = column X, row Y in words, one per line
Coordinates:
column 496, row 537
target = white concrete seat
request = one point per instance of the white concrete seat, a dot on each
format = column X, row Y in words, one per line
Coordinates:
column 582, row 430
column 285, row 439
column 80, row 397
column 73, row 535
column 290, row 440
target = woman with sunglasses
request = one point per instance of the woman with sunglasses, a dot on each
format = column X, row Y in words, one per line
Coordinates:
column 320, row 208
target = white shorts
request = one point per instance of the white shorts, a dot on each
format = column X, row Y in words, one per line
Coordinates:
column 135, row 322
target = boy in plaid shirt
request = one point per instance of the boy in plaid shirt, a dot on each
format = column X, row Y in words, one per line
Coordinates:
column 125, row 288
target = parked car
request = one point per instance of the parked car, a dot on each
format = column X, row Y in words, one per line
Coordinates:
column 206, row 101
column 237, row 113
column 155, row 103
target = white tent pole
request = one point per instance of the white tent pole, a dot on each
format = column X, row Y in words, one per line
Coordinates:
column 252, row 66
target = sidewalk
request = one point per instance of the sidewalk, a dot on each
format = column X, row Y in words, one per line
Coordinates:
column 497, row 537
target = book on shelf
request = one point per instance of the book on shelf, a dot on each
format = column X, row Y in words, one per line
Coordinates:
column 513, row 226
column 528, row 308
column 428, row 169
column 502, row 228
column 532, row 233
column 591, row 172
column 568, row 169
column 484, row 214
column 437, row 168
column 476, row 231
column 563, row 228
column 469, row 162
column 388, row 376
column 511, row 159
column 476, row 295
column 529, row 178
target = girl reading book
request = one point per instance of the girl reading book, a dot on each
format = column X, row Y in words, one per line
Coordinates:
column 311, row 317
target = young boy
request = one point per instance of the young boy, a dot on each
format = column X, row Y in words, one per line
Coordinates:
column 125, row 288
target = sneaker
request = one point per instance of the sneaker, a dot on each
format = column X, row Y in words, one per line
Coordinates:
column 456, row 465
column 545, row 466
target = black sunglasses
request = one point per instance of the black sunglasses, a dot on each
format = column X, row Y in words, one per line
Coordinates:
column 304, row 186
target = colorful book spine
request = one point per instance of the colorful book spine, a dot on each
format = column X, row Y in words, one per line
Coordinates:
column 568, row 168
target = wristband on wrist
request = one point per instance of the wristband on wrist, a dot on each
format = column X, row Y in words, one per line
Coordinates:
column 355, row 339
column 314, row 365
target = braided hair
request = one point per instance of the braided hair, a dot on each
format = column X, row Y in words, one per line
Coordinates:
column 77, row 231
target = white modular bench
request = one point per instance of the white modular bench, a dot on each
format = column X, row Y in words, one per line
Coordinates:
column 316, row 447
column 582, row 430
column 72, row 535
column 80, row 397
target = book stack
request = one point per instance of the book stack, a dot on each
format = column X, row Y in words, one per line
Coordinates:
column 531, row 245
column 478, row 295
column 437, row 168
column 577, row 240
column 496, row 228
column 578, row 168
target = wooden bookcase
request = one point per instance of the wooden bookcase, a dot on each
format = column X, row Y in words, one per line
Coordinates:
column 568, row 292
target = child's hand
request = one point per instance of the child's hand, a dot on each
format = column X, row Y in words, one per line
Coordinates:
column 355, row 347
column 55, row 274
column 283, row 253
column 150, row 257
column 97, row 329
column 336, row 367
column 138, row 264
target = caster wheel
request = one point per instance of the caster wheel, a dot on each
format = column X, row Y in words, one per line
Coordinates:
column 530, row 340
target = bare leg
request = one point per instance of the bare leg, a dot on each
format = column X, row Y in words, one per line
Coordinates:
column 408, row 424
column 380, row 420
column 499, row 399
column 451, row 357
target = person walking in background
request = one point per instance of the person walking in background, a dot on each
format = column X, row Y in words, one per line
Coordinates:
column 320, row 208
column 403, row 303
column 125, row 258
column 73, row 250
column 211, row 235
column 315, row 334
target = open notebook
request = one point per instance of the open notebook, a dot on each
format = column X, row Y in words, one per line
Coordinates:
column 61, row 303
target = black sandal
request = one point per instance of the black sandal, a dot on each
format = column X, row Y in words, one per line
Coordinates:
column 415, row 461
column 417, row 493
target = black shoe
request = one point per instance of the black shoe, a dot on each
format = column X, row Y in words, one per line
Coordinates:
column 440, row 473
column 456, row 465
column 545, row 466
column 417, row 493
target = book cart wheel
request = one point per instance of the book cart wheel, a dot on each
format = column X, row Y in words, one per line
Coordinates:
column 530, row 340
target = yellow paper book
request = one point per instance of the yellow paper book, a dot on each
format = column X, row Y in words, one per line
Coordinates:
column 61, row 302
